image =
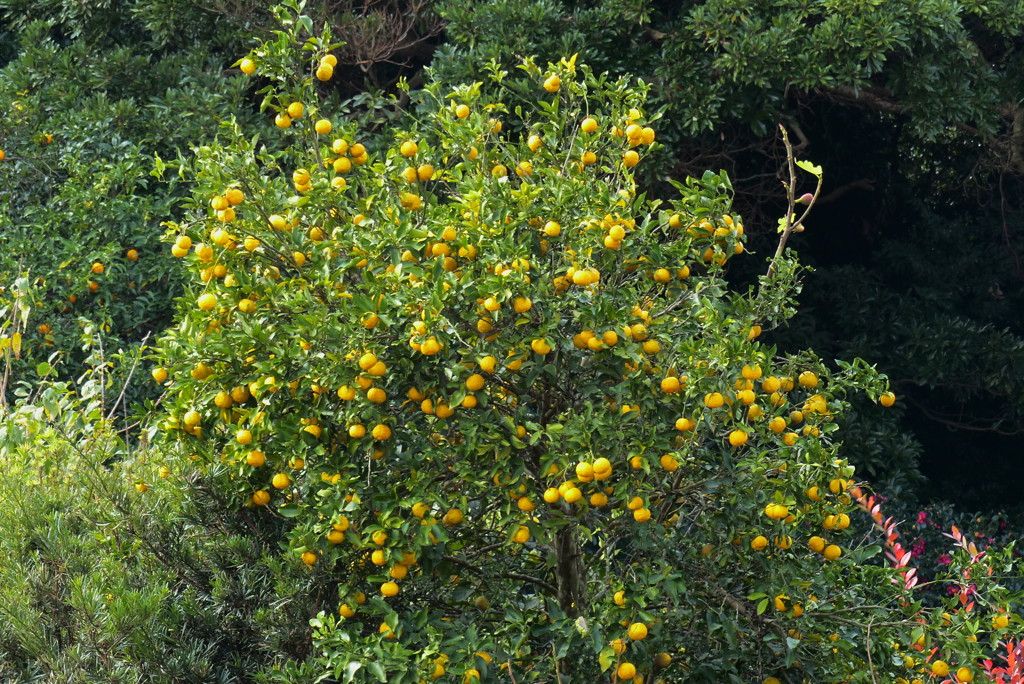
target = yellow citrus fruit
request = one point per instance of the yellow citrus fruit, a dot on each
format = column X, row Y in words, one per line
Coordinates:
column 389, row 589
column 832, row 552
column 738, row 438
column 759, row 543
column 409, row 148
column 247, row 66
column 637, row 631
column 323, row 127
column 940, row 668
column 887, row 399
column 207, row 301
column 261, row 497
column 256, row 458
column 281, row 480
column 626, row 671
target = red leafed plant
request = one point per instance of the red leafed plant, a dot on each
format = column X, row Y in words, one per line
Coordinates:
column 899, row 556
column 1013, row 673
column 1013, row 670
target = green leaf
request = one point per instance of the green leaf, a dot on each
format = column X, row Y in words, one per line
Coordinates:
column 762, row 606
column 606, row 658
column 810, row 168
column 289, row 510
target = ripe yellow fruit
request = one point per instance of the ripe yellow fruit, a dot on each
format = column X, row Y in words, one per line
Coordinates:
column 325, row 71
column 759, row 543
column 323, row 127
column 626, row 671
column 261, row 497
column 887, row 399
column 641, row 515
column 389, row 589
column 207, row 301
column 159, row 374
column 346, row 611
column 588, row 125
column 808, row 379
column 296, row 110
column 247, row 66
column 714, row 400
column 540, row 346
column 281, row 480
column 572, row 494
column 940, row 668
column 256, row 458
column 1000, row 622
column 816, row 544
column 964, row 674
column 662, row 660
column 522, row 535
column 462, row 111
column 552, row 83
column 452, row 517
column 409, row 148
column 669, row 463
column 630, row 159
column 832, row 552
column 381, row 432
column 738, row 438
column 552, row 495
column 282, row 120
column 584, row 471
column 243, row 436
column 367, row 361
column 356, row 431
column 637, row 631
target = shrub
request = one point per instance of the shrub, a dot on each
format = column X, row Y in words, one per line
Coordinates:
column 509, row 409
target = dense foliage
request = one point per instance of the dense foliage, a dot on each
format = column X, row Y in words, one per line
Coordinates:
column 466, row 380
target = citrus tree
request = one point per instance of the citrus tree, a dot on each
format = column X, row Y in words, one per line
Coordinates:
column 511, row 407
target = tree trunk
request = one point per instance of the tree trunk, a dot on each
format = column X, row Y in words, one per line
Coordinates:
column 571, row 586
